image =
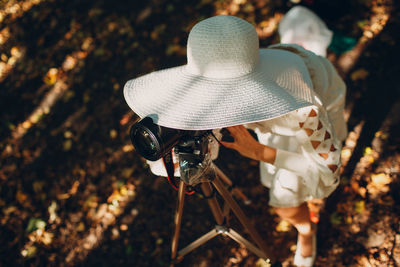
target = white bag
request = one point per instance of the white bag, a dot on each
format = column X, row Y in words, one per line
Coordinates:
column 303, row 27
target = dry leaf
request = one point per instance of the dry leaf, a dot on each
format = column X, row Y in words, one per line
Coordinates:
column 346, row 153
column 359, row 74
column 262, row 263
column 21, row 197
column 80, row 227
column 381, row 179
column 336, row 218
column 367, row 151
column 127, row 172
column 51, row 76
column 379, row 184
column 386, row 201
column 52, row 211
column 47, row 238
column 359, row 206
column 68, row 134
column 127, row 148
column 67, row 144
column 349, row 220
column 283, row 226
column 113, row 133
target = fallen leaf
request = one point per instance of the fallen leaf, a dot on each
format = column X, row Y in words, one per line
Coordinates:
column 359, row 74
column 113, row 133
column 114, row 196
column 29, row 252
column 127, row 148
column 51, row 76
column 47, row 238
column 125, row 119
column 379, row 184
column 346, row 153
column 92, row 201
column 386, row 201
column 52, row 211
column 21, row 197
column 74, row 188
column 283, row 226
column 80, row 227
column 367, row 151
column 381, row 179
column 67, row 144
column 128, row 250
column 68, row 134
column 359, row 206
column 127, row 172
column 35, row 224
column 262, row 263
column 336, row 218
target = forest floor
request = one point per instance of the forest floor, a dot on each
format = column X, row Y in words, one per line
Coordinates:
column 74, row 192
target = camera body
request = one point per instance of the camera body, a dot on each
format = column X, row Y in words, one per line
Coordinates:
column 154, row 142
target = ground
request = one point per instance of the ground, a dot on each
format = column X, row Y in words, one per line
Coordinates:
column 74, row 192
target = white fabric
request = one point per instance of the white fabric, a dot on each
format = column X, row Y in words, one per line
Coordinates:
column 303, row 27
column 227, row 81
column 327, row 86
column 287, row 190
column 297, row 156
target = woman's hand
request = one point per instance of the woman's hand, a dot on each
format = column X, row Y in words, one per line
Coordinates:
column 248, row 146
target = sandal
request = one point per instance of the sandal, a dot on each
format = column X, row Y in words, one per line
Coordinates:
column 305, row 261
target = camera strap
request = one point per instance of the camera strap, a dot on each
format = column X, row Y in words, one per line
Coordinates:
column 170, row 168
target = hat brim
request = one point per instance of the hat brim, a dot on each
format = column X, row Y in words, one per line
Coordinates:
column 177, row 99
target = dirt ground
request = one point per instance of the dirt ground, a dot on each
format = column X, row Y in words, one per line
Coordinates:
column 73, row 192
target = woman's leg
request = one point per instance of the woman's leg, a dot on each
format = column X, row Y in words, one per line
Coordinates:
column 299, row 217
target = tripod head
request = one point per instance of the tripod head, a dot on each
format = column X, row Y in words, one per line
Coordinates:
column 195, row 163
column 193, row 149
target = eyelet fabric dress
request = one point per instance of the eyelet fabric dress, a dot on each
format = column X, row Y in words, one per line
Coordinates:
column 308, row 140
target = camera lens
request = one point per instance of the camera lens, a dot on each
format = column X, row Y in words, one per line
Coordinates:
column 151, row 140
column 145, row 143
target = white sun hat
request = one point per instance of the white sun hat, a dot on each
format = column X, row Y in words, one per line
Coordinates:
column 227, row 81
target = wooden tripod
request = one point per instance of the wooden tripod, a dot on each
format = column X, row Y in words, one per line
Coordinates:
column 261, row 250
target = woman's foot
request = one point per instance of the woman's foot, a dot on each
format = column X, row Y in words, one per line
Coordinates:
column 305, row 242
column 306, row 248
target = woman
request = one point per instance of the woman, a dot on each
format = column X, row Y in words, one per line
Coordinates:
column 284, row 93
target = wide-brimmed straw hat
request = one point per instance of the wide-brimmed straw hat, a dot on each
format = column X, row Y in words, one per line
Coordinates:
column 227, row 81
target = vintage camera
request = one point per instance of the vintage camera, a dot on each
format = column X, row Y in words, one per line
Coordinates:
column 154, row 142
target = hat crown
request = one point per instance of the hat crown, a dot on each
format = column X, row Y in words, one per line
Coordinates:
column 222, row 47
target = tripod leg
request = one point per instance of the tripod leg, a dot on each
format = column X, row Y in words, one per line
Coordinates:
column 241, row 216
column 178, row 219
column 213, row 203
column 235, row 190
column 200, row 241
column 241, row 240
